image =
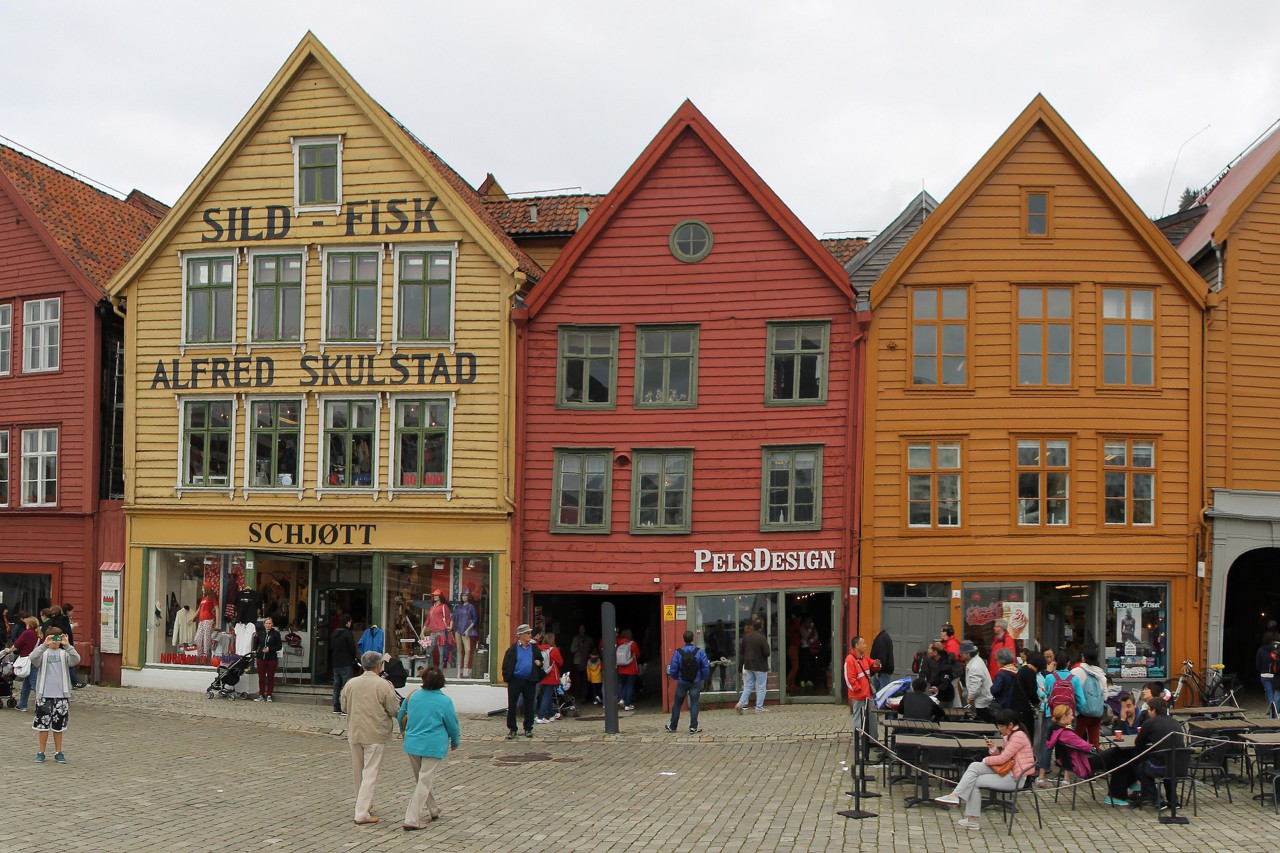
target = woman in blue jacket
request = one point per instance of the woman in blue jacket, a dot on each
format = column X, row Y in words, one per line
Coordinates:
column 430, row 729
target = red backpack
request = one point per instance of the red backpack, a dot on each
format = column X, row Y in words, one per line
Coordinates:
column 1063, row 692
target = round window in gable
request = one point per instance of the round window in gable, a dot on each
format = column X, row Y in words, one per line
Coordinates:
column 690, row 241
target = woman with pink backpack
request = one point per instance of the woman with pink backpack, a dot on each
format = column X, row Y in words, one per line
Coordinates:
column 1061, row 688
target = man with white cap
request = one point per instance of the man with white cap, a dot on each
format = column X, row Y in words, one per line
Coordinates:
column 522, row 670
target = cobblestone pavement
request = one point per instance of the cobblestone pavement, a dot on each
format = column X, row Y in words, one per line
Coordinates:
column 151, row 769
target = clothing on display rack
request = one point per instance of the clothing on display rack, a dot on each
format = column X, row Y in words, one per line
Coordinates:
column 245, row 632
column 247, row 604
column 184, row 626
column 371, row 640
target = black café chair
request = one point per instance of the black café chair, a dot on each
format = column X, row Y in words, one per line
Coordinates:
column 1269, row 775
column 1008, row 800
column 1178, row 775
column 1211, row 764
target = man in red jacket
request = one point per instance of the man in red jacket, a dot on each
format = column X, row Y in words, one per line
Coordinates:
column 1002, row 641
column 858, row 670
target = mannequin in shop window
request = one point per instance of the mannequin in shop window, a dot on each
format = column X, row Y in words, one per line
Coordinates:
column 204, row 624
column 439, row 626
column 466, row 626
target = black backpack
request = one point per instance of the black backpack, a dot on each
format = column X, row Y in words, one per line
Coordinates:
column 689, row 665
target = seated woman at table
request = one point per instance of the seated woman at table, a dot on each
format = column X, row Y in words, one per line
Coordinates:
column 1071, row 751
column 918, row 704
column 983, row 774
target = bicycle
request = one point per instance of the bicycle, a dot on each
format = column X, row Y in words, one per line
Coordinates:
column 1217, row 688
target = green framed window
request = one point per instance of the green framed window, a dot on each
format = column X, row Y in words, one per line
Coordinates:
column 275, row 434
column 210, row 299
column 277, row 297
column 666, row 367
column 587, row 367
column 206, row 443
column 425, row 298
column 661, row 491
column 422, row 444
column 350, row 449
column 792, row 488
column 351, row 292
column 580, row 497
column 690, row 241
column 798, row 363
column 319, row 173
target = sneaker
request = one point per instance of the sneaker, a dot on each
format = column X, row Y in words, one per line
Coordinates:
column 528, row 734
column 759, row 710
column 628, row 707
column 968, row 823
column 1111, row 801
column 270, row 699
column 621, row 703
column 80, row 686
column 336, row 711
column 693, row 731
column 511, row 735
column 667, row 728
column 540, row 720
column 60, row 758
column 1046, row 782
column 947, row 800
column 739, row 708
column 556, row 717
column 39, row 758
column 259, row 699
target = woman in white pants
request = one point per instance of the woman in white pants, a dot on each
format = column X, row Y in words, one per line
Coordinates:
column 430, row 729
column 982, row 774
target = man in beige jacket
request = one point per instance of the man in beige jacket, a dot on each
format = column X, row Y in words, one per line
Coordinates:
column 370, row 703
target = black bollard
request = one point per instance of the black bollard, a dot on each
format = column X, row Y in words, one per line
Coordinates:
column 609, row 660
column 859, row 781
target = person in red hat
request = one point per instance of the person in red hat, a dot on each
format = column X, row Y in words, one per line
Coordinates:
column 439, row 626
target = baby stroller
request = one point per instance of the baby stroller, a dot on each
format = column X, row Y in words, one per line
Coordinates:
column 564, row 703
column 228, row 676
column 6, row 680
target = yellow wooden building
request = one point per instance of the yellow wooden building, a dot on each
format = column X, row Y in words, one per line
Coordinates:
column 320, row 394
column 1032, row 430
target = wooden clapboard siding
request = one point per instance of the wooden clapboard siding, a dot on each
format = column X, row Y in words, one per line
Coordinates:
column 1093, row 243
column 626, row 276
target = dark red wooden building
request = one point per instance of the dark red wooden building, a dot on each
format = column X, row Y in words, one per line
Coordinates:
column 687, row 428
column 61, row 397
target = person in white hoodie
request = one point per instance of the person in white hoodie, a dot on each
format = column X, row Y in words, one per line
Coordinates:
column 1093, row 683
column 56, row 657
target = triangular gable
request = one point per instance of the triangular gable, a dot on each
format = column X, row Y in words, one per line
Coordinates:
column 458, row 196
column 89, row 233
column 880, row 243
column 689, row 118
column 1039, row 111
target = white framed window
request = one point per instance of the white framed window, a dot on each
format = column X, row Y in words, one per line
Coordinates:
column 206, row 441
column 273, row 442
column 277, row 292
column 40, row 467
column 423, row 443
column 317, row 173
column 352, row 295
column 6, row 339
column 4, row 467
column 349, row 443
column 424, row 293
column 209, row 298
column 41, row 334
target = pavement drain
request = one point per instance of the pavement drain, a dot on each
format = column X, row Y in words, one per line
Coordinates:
column 524, row 757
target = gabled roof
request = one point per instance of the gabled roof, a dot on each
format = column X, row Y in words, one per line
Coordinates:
column 1232, row 195
column 844, row 249
column 555, row 214
column 878, row 251
column 687, row 118
column 457, row 195
column 1176, row 226
column 92, row 233
column 1040, row 112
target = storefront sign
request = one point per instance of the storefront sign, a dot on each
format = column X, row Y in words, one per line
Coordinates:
column 600, row 586
column 763, row 560
column 277, row 533
column 682, row 612
column 324, row 370
column 273, row 222
column 109, row 608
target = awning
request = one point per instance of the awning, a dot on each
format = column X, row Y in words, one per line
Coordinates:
column 111, row 567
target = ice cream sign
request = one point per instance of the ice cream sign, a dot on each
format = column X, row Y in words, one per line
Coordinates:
column 1017, row 615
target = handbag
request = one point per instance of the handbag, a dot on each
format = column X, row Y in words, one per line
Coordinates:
column 1003, row 769
column 22, row 667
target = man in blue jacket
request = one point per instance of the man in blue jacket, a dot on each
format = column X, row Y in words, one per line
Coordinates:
column 689, row 668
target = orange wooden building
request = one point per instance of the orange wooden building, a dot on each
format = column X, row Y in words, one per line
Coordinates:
column 1032, row 416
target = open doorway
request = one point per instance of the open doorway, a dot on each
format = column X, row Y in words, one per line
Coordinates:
column 1252, row 602
column 640, row 613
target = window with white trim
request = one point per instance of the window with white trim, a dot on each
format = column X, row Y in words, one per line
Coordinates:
column 422, row 444
column 351, row 296
column 317, row 173
column 206, row 443
column 40, row 467
column 4, row 467
column 350, row 449
column 41, row 334
column 210, row 299
column 277, row 298
column 425, row 297
column 6, row 338
column 275, row 438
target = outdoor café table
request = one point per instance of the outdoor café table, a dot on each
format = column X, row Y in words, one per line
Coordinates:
column 1224, row 728
column 1265, row 724
column 956, row 713
column 1255, row 740
column 914, row 747
column 958, row 728
column 904, row 726
column 1209, row 712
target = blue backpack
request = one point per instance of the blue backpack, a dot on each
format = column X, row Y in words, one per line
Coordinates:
column 1092, row 696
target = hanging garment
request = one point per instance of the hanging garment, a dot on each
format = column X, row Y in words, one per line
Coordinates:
column 184, row 626
column 370, row 640
column 245, row 632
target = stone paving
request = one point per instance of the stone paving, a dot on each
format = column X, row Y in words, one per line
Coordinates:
column 153, row 769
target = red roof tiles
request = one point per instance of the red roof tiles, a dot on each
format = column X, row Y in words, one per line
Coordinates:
column 97, row 231
column 844, row 248
column 541, row 215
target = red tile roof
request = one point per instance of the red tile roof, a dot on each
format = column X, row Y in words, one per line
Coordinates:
column 96, row 230
column 473, row 200
column 844, row 248
column 556, row 214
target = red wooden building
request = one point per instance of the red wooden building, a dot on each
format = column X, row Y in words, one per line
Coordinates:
column 61, row 415
column 687, row 432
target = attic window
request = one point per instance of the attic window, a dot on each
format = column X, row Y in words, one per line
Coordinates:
column 317, row 173
column 1036, row 209
column 690, row 241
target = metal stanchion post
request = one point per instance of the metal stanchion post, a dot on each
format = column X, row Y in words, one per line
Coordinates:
column 859, row 791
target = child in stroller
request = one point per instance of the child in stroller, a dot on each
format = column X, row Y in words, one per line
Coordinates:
column 227, row 677
column 6, row 680
column 564, row 704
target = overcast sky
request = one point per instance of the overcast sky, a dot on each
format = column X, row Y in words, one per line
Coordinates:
column 845, row 108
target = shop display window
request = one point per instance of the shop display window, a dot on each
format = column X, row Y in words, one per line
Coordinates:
column 282, row 589
column 451, row 631
column 1066, row 616
column 719, row 625
column 178, row 578
column 984, row 603
column 1137, row 631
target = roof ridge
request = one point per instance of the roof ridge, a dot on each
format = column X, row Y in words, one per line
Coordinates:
column 71, row 174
